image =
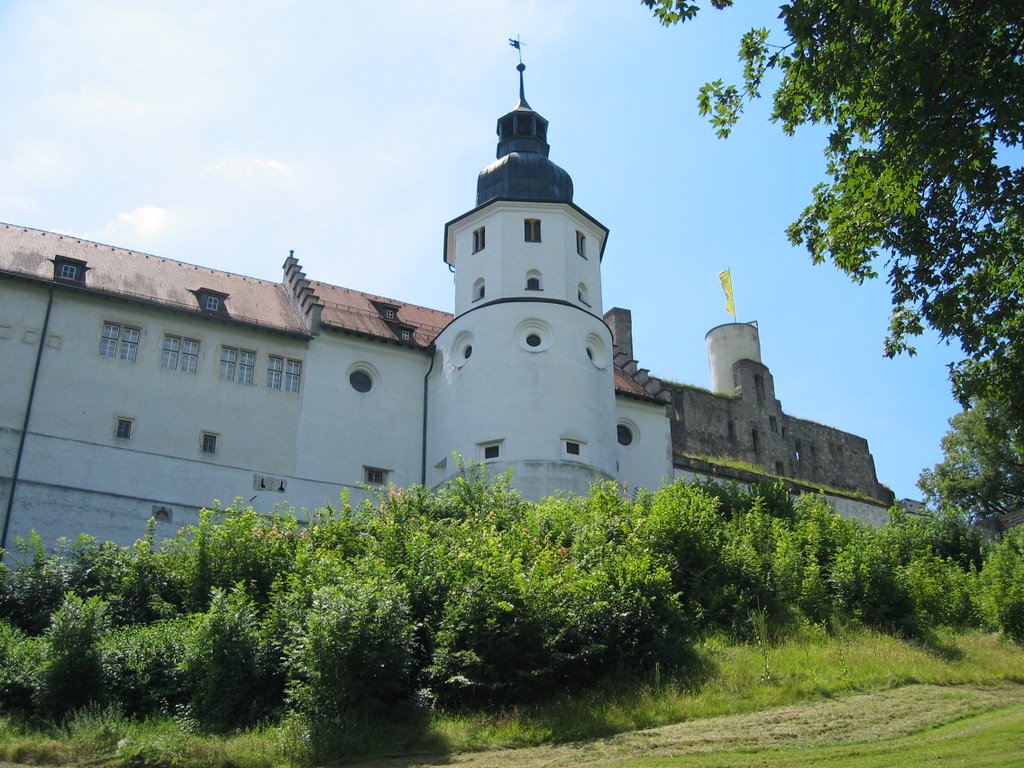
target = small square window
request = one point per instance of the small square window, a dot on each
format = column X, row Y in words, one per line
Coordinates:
column 69, row 269
column 572, row 448
column 389, row 314
column 209, row 442
column 212, row 303
column 406, row 334
column 492, row 451
column 374, row 476
column 123, row 428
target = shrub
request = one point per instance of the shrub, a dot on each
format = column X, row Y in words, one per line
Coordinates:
column 71, row 674
column 225, row 667
column 1002, row 585
column 354, row 651
column 20, row 660
column 142, row 667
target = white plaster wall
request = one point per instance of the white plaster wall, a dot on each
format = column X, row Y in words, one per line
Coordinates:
column 647, row 461
column 341, row 431
column 529, row 401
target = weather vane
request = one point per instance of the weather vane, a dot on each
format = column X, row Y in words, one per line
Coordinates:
column 515, row 43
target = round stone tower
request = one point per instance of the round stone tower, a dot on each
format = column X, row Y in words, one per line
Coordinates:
column 727, row 345
column 523, row 376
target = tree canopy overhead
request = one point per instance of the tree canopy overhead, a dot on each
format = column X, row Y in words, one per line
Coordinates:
column 925, row 102
column 982, row 472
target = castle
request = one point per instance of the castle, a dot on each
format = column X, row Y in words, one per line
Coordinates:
column 139, row 387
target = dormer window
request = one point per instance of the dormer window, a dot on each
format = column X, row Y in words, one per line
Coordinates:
column 212, row 301
column 387, row 312
column 68, row 270
column 405, row 334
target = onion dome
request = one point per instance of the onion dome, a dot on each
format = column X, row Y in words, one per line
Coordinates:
column 522, row 170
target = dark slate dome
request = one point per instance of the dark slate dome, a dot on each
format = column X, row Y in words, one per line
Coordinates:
column 522, row 170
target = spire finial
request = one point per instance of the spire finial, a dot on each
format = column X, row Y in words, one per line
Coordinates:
column 516, row 43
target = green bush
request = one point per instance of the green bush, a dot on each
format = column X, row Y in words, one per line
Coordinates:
column 20, row 662
column 71, row 673
column 1002, row 585
column 229, row 682
column 354, row 650
column 142, row 667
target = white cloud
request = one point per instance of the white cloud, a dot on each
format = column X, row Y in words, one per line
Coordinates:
column 147, row 222
column 249, row 169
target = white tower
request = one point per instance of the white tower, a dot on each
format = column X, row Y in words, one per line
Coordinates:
column 523, row 376
column 727, row 345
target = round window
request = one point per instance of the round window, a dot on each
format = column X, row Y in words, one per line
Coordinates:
column 360, row 381
column 467, row 352
column 533, row 340
column 625, row 434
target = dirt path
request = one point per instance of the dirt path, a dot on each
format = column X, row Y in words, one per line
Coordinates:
column 860, row 717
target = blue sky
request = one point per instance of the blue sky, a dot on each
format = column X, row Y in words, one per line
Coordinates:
column 227, row 133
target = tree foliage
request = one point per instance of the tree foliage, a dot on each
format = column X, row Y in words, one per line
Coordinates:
column 982, row 473
column 925, row 102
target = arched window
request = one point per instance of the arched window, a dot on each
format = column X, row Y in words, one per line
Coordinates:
column 478, row 289
column 582, row 294
column 533, row 280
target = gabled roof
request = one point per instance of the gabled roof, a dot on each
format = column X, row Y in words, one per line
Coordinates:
column 364, row 313
column 147, row 279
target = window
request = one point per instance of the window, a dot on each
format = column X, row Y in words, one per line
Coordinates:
column 209, row 444
column 68, row 269
column 581, row 244
column 773, row 424
column 228, row 363
column 467, row 352
column 162, row 514
column 779, row 468
column 275, row 366
column 292, row 375
column 492, row 451
column 479, row 239
column 189, row 355
column 732, row 431
column 583, row 294
column 572, row 448
column 211, row 301
column 478, row 289
column 405, row 334
column 755, row 438
column 374, row 476
column 624, row 434
column 129, row 338
column 532, row 284
column 799, row 451
column 123, row 428
column 759, row 389
column 360, row 381
column 389, row 314
column 169, row 357
column 531, row 230
column 246, row 367
column 533, row 340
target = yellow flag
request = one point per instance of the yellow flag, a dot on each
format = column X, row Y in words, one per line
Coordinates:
column 730, row 305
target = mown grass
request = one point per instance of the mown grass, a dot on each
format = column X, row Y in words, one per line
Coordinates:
column 728, row 679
